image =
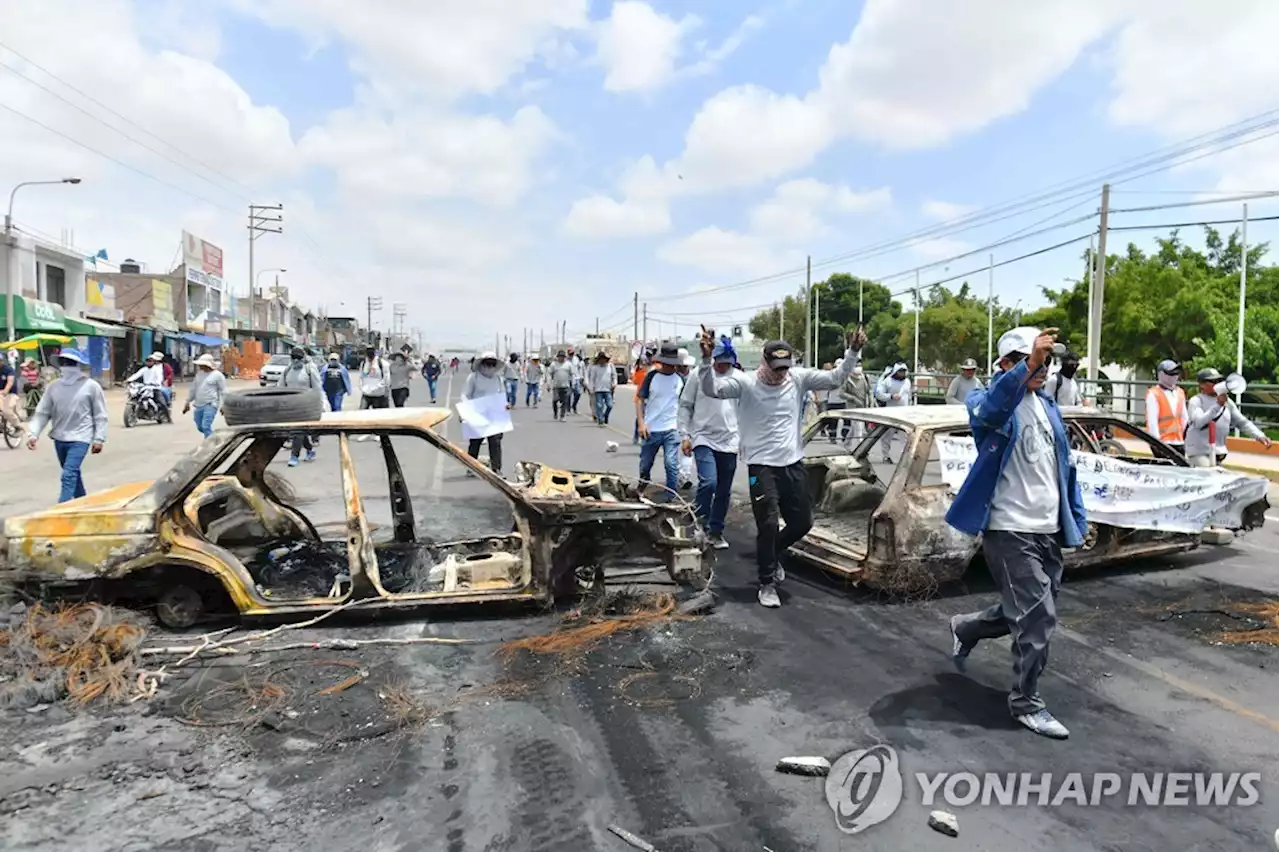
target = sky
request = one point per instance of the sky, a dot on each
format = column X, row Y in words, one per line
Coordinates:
column 497, row 166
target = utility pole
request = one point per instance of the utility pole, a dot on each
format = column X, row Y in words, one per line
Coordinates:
column 808, row 304
column 859, row 301
column 1244, row 269
column 817, row 324
column 645, row 338
column 263, row 219
column 635, row 316
column 542, row 340
column 372, row 303
column 1095, row 307
column 991, row 311
column 778, row 308
column 917, row 355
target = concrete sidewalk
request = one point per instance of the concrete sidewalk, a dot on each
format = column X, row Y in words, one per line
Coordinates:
column 1254, row 464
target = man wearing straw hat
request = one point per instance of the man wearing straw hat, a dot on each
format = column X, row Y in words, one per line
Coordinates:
column 206, row 393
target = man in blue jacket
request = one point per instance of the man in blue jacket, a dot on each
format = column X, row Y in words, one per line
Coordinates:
column 1022, row 496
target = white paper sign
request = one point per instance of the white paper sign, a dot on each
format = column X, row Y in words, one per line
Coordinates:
column 484, row 416
column 1137, row 496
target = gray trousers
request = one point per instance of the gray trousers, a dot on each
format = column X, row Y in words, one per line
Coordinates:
column 1028, row 569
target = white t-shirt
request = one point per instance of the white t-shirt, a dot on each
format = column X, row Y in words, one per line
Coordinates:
column 1026, row 498
column 661, row 395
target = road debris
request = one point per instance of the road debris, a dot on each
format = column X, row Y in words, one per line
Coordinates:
column 812, row 766
column 638, row 843
column 944, row 823
column 603, row 616
column 703, row 602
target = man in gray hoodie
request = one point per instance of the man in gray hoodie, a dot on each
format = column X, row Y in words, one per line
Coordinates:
column 300, row 373
column 892, row 391
column 964, row 384
column 602, row 379
column 76, row 412
column 1212, row 414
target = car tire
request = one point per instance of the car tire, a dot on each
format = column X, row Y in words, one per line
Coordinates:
column 271, row 405
column 180, row 606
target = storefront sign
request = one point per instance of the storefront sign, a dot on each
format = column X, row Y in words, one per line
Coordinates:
column 203, row 257
column 162, row 305
column 1137, row 496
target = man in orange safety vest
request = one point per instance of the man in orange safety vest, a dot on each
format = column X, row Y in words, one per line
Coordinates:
column 1166, row 406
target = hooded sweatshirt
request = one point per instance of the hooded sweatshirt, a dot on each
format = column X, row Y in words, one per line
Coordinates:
column 707, row 421
column 888, row 386
column 1210, row 424
column 478, row 384
column 300, row 374
column 533, row 372
column 961, row 387
column 74, row 409
column 511, row 370
column 562, row 375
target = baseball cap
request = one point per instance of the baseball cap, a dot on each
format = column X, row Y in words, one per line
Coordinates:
column 1020, row 340
column 1169, row 366
column 969, row 364
column 778, row 353
column 1208, row 374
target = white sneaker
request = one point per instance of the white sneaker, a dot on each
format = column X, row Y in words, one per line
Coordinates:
column 779, row 574
column 768, row 596
column 1043, row 723
column 718, row 542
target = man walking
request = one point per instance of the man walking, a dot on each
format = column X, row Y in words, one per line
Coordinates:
column 1022, row 497
column 892, row 391
column 206, row 392
column 1212, row 414
column 398, row 382
column 770, row 422
column 964, row 384
column 857, row 392
column 532, row 380
column 602, row 380
column 709, row 433
column 485, row 380
column 579, row 368
column 511, row 377
column 75, row 411
column 374, row 376
column 561, row 386
column 300, row 373
column 336, row 382
column 657, row 404
column 1166, row 406
column 1062, row 386
column 431, row 369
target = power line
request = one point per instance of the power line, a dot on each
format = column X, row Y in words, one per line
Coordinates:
column 1192, row 224
column 979, row 269
column 1231, row 198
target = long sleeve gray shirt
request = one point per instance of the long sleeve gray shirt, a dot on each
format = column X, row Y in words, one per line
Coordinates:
column 769, row 423
column 602, row 378
column 511, row 370
column 533, row 373
column 74, row 409
column 478, row 385
column 562, row 375
column 706, row 421
column 960, row 388
column 1205, row 415
column 207, row 389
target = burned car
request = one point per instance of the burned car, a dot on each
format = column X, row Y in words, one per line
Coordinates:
column 881, row 498
column 390, row 514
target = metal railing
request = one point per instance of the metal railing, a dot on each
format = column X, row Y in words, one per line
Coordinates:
column 1126, row 399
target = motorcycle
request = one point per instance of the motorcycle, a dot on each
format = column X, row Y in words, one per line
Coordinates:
column 145, row 402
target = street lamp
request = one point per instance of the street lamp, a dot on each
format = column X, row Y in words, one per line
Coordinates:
column 9, row 242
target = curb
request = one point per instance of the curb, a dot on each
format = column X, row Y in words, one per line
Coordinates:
column 1270, row 473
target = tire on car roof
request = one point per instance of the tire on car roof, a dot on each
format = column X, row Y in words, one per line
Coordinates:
column 271, row 405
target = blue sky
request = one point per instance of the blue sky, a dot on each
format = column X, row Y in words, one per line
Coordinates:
column 497, row 167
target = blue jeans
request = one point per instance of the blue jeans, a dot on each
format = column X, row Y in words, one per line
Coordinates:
column 335, row 400
column 604, row 406
column 203, row 415
column 715, row 479
column 431, row 386
column 531, row 393
column 512, row 387
column 576, row 391
column 669, row 442
column 71, row 455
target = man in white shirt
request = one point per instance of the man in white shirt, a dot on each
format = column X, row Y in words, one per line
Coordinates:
column 893, row 390
column 1166, row 405
column 1062, row 385
column 709, row 433
column 769, row 420
column 657, row 411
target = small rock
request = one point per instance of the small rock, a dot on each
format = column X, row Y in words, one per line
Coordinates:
column 18, row 609
column 191, row 767
column 274, row 721
column 944, row 823
column 1106, row 674
column 700, row 603
column 38, row 708
column 1217, row 535
column 813, row 766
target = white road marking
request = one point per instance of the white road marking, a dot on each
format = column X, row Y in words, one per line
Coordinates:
column 1272, row 517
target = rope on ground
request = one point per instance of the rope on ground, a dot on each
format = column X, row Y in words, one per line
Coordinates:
column 623, row 610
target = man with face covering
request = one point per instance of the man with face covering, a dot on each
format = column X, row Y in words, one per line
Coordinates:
column 1211, row 415
column 709, row 432
column 300, row 373
column 892, row 391
column 1166, row 405
column 486, row 380
column 1022, row 497
column 1062, row 385
column 75, row 411
column 562, row 377
column 963, row 384
column 769, row 423
column 375, row 378
column 511, row 374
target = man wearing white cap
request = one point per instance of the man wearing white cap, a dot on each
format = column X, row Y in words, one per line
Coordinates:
column 892, row 391
column 206, row 393
column 1022, row 497
column 151, row 374
column 1166, row 405
column 75, row 411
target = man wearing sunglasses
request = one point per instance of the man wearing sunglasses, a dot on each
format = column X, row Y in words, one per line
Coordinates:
column 1022, row 497
column 769, row 424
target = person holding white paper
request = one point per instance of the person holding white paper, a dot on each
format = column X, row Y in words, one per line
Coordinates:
column 485, row 381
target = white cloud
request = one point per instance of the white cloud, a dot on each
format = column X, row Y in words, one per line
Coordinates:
column 445, row 48
column 643, row 210
column 944, row 210
column 639, row 46
column 726, row 48
column 719, row 252
column 431, row 154
column 796, row 209
column 940, row 248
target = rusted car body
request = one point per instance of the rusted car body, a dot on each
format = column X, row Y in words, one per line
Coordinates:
column 885, row 524
column 221, row 524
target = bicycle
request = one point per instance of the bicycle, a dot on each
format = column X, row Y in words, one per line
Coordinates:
column 13, row 430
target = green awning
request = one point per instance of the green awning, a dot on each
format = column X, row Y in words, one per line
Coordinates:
column 92, row 328
column 33, row 315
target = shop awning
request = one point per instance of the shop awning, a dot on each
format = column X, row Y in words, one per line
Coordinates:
column 92, row 328
column 33, row 315
column 204, row 339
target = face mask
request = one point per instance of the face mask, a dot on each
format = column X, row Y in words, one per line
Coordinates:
column 69, row 371
column 1168, row 381
column 487, row 372
column 1068, row 370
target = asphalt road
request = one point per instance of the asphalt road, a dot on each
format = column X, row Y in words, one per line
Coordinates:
column 673, row 732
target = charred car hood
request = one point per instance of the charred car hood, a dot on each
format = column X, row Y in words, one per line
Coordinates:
column 123, row 510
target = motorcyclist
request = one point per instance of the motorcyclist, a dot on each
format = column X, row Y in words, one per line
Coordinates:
column 151, row 375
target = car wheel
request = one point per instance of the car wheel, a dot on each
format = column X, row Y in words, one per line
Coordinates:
column 179, row 606
column 272, row 405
